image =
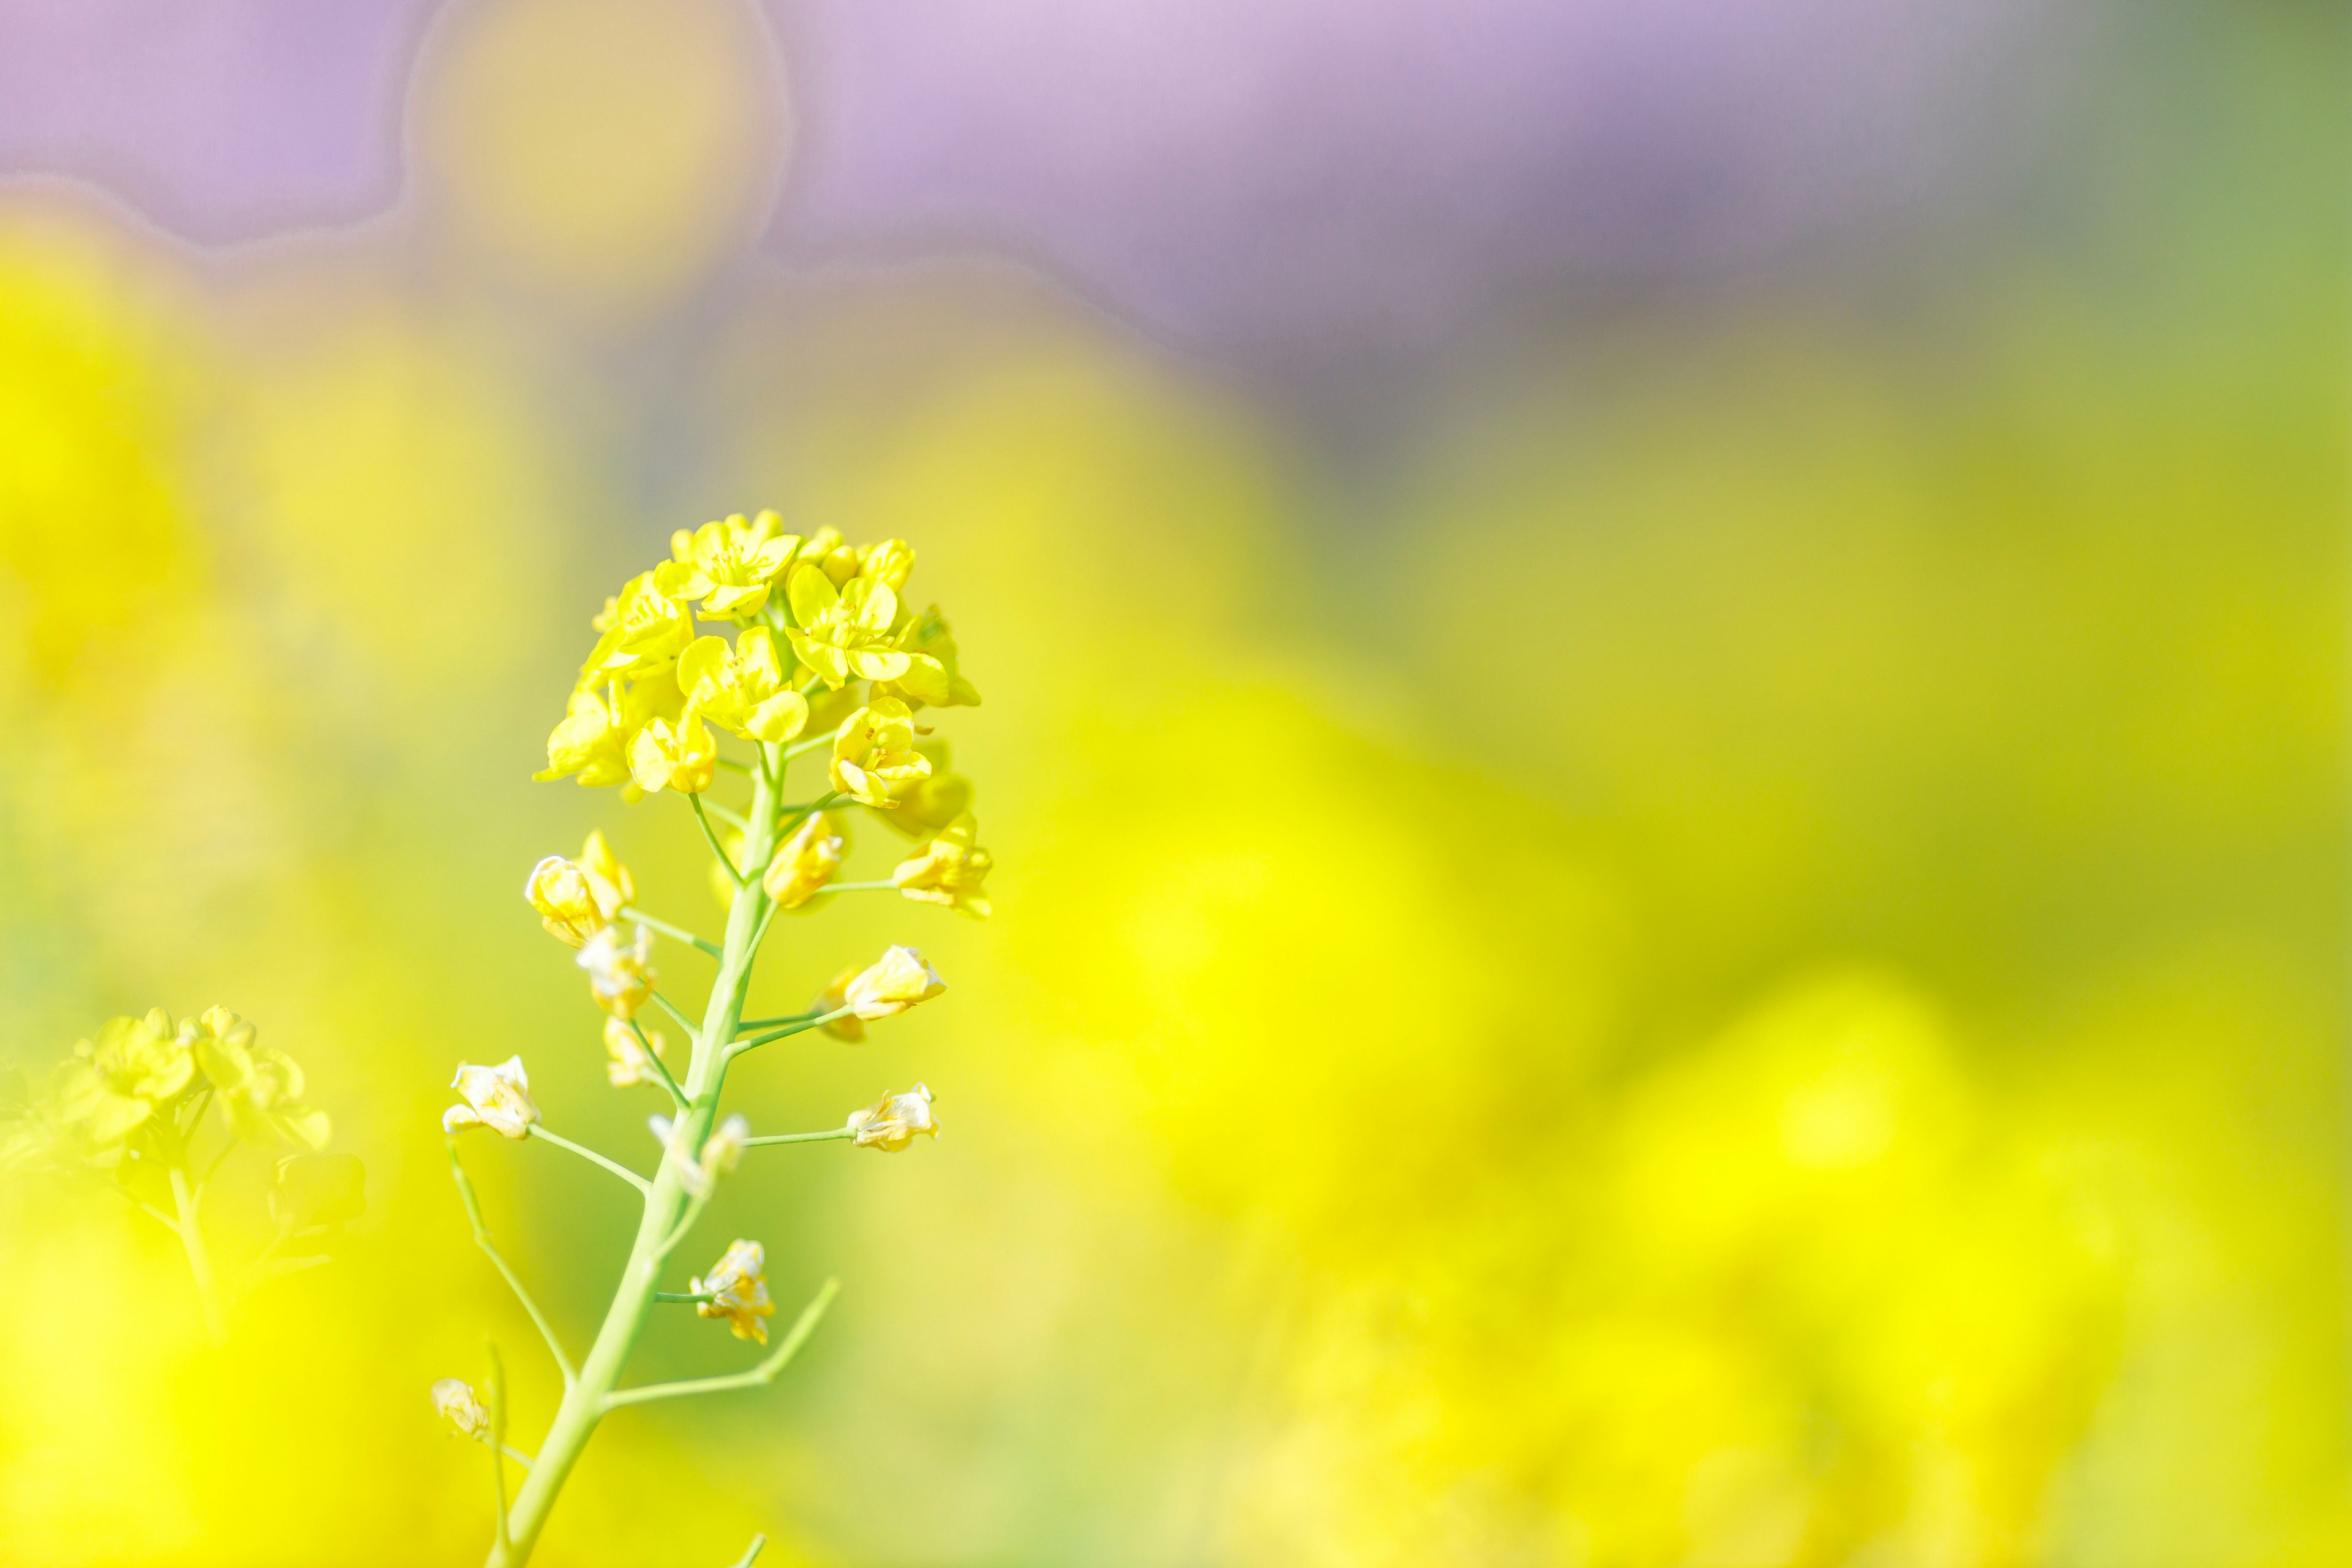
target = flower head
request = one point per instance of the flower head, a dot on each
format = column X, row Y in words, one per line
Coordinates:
column 738, row 1288
column 892, row 1123
column 804, row 862
column 497, row 1098
column 628, row 1061
column 115, row 1080
column 949, row 871
column 620, row 978
column 680, row 756
column 260, row 1088
column 729, row 564
column 456, row 1402
column 742, row 691
column 874, row 755
column 577, row 899
column 845, row 631
column 646, row 628
column 891, row 983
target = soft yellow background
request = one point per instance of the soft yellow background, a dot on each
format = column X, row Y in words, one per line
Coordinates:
column 1729, row 954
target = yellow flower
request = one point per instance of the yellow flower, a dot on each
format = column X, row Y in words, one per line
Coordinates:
column 742, row 691
column 804, row 862
column 891, row 1123
column 846, row 631
column 620, row 978
column 576, row 898
column 834, row 997
column 309, row 1191
column 874, row 756
column 925, row 807
column 949, row 871
column 728, row 565
column 496, row 1098
column 932, row 677
column 116, row 1080
column 261, row 1088
column 679, row 756
column 644, row 630
column 628, row 1063
column 890, row 562
column 456, row 1402
column 591, row 741
column 738, row 1288
column 891, row 983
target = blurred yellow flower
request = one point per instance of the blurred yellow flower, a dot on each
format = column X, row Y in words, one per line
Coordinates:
column 933, row 677
column 892, row 984
column 890, row 564
column 874, row 756
column 804, row 862
column 628, row 1062
column 698, row 1172
column 742, row 691
column 832, row 999
column 949, row 871
column 576, row 898
column 644, row 631
column 497, row 1098
column 738, row 1288
column 620, row 978
column 845, row 631
column 115, row 1080
column 260, row 1088
column 680, row 756
column 728, row 565
column 892, row 1123
column 591, row 741
column 926, row 806
column 456, row 1402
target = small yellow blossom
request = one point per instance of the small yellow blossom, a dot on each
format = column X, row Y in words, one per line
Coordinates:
column 456, row 1402
column 576, row 898
column 832, row 999
column 728, row 565
column 742, row 691
column 497, row 1098
column 738, row 1288
column 644, row 631
column 874, row 756
column 260, row 1088
column 890, row 562
column 591, row 741
column 115, row 1082
column 892, row 1123
column 680, row 756
column 698, row 1174
column 933, row 677
column 620, row 978
column 949, row 871
column 892, row 984
column 309, row 1191
column 628, row 1063
column 804, row 862
column 845, row 631
column 925, row 807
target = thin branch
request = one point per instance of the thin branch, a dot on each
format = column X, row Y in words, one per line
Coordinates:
column 692, row 1029
column 751, row 1552
column 676, row 933
column 653, row 1060
column 482, row 1240
column 732, row 766
column 801, row 1018
column 544, row 1135
column 158, row 1215
column 759, row 1376
column 711, row 835
column 729, row 815
column 498, row 1439
column 800, row 1137
column 855, row 888
column 740, row 1047
column 683, row 1296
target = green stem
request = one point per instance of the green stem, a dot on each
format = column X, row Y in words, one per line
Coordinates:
column 653, row 1060
column 855, row 888
column 675, row 1015
column 802, row 1028
column 800, row 1137
column 676, row 933
column 544, row 1136
column 200, row 1260
column 666, row 1204
column 683, row 1296
column 712, row 833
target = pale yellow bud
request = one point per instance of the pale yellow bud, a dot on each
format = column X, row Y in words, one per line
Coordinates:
column 949, row 871
column 892, row 984
column 804, row 862
column 893, row 1122
column 566, row 901
column 620, row 978
column 738, row 1288
column 497, row 1098
column 627, row 1061
column 455, row 1399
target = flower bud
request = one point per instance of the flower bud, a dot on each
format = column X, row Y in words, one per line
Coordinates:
column 891, row 1123
column 892, row 984
column 460, row 1406
column 620, row 978
column 738, row 1288
column 628, row 1063
column 804, row 862
column 949, row 871
column 497, row 1098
